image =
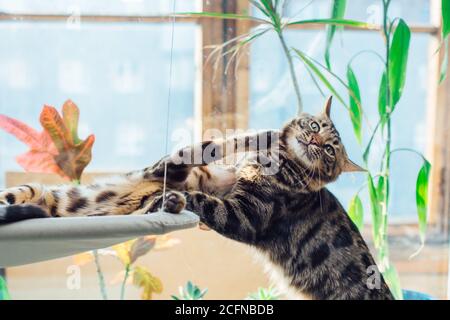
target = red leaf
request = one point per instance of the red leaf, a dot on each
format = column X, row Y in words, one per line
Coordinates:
column 21, row 131
column 39, row 162
column 57, row 149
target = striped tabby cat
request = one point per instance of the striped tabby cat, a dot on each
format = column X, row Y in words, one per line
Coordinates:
column 274, row 201
column 307, row 241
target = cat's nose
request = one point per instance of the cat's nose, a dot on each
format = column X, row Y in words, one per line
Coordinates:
column 316, row 139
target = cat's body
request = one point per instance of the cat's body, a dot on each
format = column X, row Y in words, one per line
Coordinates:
column 282, row 210
column 137, row 192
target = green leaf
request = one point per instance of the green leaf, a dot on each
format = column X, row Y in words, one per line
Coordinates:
column 337, row 22
column 356, row 211
column 355, row 104
column 422, row 197
column 369, row 145
column 383, row 190
column 393, row 281
column 444, row 64
column 445, row 10
column 382, row 102
column 337, row 12
column 310, row 64
column 376, row 213
column 4, row 294
column 398, row 59
column 259, row 7
column 190, row 288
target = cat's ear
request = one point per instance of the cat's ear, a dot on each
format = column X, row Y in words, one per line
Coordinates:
column 327, row 107
column 350, row 166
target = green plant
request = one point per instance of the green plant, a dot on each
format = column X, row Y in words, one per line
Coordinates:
column 264, row 294
column 274, row 20
column 128, row 253
column 4, row 294
column 396, row 35
column 190, row 292
column 445, row 10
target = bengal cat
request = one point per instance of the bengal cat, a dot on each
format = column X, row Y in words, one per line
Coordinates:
column 274, row 200
column 137, row 192
column 308, row 243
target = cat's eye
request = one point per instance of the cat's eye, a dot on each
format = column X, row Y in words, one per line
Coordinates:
column 314, row 126
column 329, row 150
column 303, row 123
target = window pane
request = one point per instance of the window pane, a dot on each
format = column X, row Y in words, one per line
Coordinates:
column 118, row 75
column 273, row 102
column 104, row 7
column 413, row 11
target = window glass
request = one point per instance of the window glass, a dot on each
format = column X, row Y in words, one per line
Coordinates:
column 273, row 102
column 104, row 7
column 413, row 11
column 118, row 75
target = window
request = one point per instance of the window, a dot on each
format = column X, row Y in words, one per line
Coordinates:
column 112, row 57
column 123, row 99
column 273, row 98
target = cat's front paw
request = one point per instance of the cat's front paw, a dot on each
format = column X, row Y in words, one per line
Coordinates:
column 174, row 202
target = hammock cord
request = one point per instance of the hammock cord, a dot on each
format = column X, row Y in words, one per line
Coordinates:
column 169, row 101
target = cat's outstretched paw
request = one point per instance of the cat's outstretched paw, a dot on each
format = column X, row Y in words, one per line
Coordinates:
column 174, row 202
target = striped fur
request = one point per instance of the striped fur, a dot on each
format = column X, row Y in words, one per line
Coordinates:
column 137, row 192
column 304, row 235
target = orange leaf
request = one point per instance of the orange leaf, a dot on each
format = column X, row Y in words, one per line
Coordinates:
column 71, row 115
column 76, row 158
column 141, row 247
column 84, row 258
column 54, row 125
column 57, row 149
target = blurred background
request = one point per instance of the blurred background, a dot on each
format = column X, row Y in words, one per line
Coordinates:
column 113, row 57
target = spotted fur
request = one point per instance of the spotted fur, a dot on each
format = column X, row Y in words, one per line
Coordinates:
column 137, row 192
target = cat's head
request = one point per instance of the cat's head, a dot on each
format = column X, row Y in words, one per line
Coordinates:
column 315, row 143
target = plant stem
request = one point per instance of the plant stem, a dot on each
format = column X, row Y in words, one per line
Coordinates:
column 101, row 278
column 124, row 282
column 387, row 158
column 292, row 71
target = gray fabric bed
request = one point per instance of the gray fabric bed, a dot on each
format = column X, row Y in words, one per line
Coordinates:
column 37, row 240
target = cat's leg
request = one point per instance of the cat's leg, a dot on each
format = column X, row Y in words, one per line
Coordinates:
column 177, row 167
column 29, row 193
column 24, row 202
column 174, row 202
column 242, row 215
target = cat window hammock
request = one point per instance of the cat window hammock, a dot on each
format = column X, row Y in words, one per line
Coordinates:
column 38, row 240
